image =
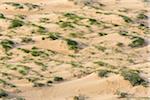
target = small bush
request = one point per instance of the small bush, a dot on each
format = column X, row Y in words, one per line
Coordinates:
column 24, row 70
column 73, row 45
column 36, row 52
column 93, row 21
column 122, row 94
column 66, row 24
column 3, row 93
column 137, row 42
column 73, row 16
column 123, row 33
column 41, row 29
column 103, row 73
column 120, row 44
column 102, row 34
column 27, row 40
column 101, row 48
column 126, row 18
column 57, row 78
column 134, row 77
column 2, row 16
column 16, row 5
column 54, row 35
column 7, row 44
column 36, row 84
column 16, row 23
column 142, row 16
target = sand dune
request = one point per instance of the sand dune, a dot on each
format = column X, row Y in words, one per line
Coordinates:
column 74, row 50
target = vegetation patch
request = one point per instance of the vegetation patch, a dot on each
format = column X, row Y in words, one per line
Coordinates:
column 73, row 16
column 142, row 16
column 27, row 40
column 66, row 24
column 7, row 44
column 134, row 77
column 103, row 73
column 54, row 35
column 93, row 22
column 101, row 48
column 126, row 18
column 73, row 45
column 14, row 4
column 3, row 93
column 2, row 16
column 58, row 79
column 137, row 42
column 101, row 63
column 16, row 23
column 102, row 34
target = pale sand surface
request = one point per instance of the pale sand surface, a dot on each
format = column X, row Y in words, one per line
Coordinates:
column 77, row 68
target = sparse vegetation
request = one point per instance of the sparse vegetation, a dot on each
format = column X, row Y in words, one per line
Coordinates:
column 122, row 94
column 7, row 44
column 134, row 77
column 126, row 18
column 102, row 34
column 27, row 40
column 142, row 16
column 103, row 73
column 2, row 16
column 73, row 45
column 54, row 44
column 137, row 42
column 73, row 16
column 16, row 23
column 93, row 22
column 66, row 24
column 3, row 93
column 58, row 79
column 54, row 35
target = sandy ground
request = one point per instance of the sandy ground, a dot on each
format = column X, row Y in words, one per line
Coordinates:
column 77, row 68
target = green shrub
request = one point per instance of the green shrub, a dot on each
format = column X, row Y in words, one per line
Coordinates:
column 36, row 52
column 103, row 73
column 142, row 16
column 16, row 5
column 27, row 40
column 66, row 24
column 93, row 21
column 134, row 77
column 76, row 35
column 54, row 35
column 24, row 70
column 126, row 18
column 31, row 6
column 16, row 23
column 73, row 45
column 101, row 48
column 2, row 16
column 24, row 50
column 37, row 84
column 102, row 34
column 41, row 29
column 122, row 94
column 123, row 33
column 120, row 44
column 137, row 42
column 41, row 64
column 7, row 44
column 57, row 78
column 73, row 16
column 3, row 93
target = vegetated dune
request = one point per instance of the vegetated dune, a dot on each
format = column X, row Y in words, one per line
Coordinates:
column 74, row 50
